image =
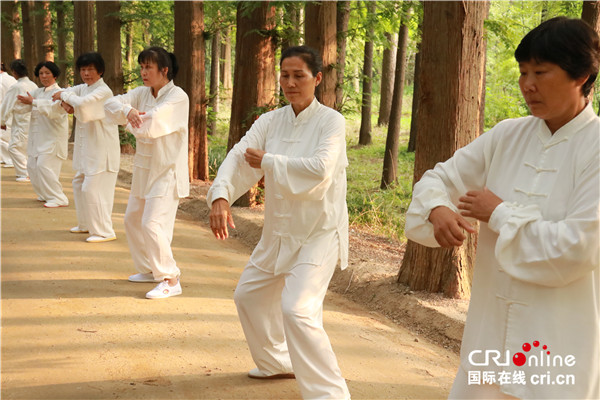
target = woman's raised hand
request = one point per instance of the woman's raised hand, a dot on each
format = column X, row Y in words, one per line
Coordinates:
column 449, row 227
column 134, row 118
column 25, row 99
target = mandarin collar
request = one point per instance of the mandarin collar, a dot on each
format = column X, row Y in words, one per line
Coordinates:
column 305, row 114
column 97, row 83
column 52, row 87
column 163, row 90
column 567, row 130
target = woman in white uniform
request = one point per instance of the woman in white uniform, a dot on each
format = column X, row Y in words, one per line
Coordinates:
column 19, row 115
column 96, row 152
column 6, row 81
column 533, row 323
column 300, row 150
column 48, row 137
column 157, row 115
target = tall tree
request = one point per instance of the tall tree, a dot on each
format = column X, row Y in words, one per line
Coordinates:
column 9, row 29
column 414, row 127
column 213, row 97
column 225, row 68
column 590, row 13
column 320, row 34
column 388, row 69
column 291, row 22
column 452, row 37
column 43, row 24
column 61, row 42
column 29, row 37
column 189, row 49
column 255, row 57
column 342, row 19
column 83, row 27
column 364, row 137
column 390, row 157
column 109, row 42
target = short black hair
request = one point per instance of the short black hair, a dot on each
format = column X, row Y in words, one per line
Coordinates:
column 19, row 68
column 91, row 58
column 48, row 64
column 162, row 58
column 569, row 43
column 310, row 56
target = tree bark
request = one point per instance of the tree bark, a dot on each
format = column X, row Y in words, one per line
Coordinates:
column 446, row 122
column 29, row 37
column 83, row 30
column 414, row 127
column 320, row 34
column 109, row 43
column 255, row 57
column 364, row 137
column 390, row 157
column 11, row 37
column 213, row 96
column 590, row 13
column 189, row 50
column 342, row 19
column 43, row 23
column 61, row 41
column 225, row 74
column 291, row 37
column 388, row 68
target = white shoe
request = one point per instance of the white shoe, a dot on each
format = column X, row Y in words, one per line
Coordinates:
column 54, row 205
column 142, row 278
column 8, row 166
column 164, row 290
column 23, row 179
column 100, row 239
column 77, row 229
column 258, row 374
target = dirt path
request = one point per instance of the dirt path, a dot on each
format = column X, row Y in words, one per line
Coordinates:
column 74, row 328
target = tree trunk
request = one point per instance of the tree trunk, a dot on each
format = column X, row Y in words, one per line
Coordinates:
column 255, row 57
column 291, row 37
column 390, row 157
column 109, row 43
column 446, row 123
column 189, row 50
column 43, row 23
column 590, row 13
column 11, row 43
column 61, row 41
column 388, row 68
column 320, row 34
column 225, row 74
column 83, row 31
column 414, row 127
column 213, row 96
column 29, row 37
column 364, row 137
column 342, row 18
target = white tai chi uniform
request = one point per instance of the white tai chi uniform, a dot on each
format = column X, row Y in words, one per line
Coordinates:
column 536, row 277
column 95, row 157
column 160, row 174
column 47, row 145
column 20, row 114
column 280, row 293
column 6, row 81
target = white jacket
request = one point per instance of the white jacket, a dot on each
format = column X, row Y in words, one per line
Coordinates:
column 537, row 272
column 161, row 154
column 20, row 113
column 305, row 185
column 49, row 126
column 97, row 147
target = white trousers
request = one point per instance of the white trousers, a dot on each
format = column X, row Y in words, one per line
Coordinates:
column 149, row 225
column 94, row 197
column 4, row 143
column 462, row 390
column 282, row 318
column 17, row 148
column 44, row 173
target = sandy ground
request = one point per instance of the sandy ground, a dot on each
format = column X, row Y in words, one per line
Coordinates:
column 73, row 327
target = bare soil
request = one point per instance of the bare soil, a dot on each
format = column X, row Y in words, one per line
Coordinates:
column 74, row 328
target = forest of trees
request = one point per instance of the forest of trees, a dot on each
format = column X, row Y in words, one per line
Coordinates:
column 381, row 60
